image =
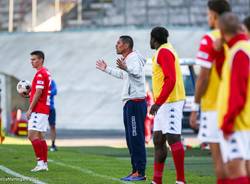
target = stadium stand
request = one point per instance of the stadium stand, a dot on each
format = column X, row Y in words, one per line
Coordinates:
column 21, row 8
column 22, row 12
column 113, row 13
column 102, row 13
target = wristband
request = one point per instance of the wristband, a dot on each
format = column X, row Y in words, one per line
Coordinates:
column 195, row 107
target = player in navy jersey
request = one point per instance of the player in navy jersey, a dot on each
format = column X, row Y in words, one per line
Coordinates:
column 52, row 115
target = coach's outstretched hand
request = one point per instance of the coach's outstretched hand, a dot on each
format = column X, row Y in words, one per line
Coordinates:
column 101, row 65
column 154, row 109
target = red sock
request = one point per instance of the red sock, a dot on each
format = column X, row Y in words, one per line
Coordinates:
column 37, row 148
column 178, row 157
column 249, row 180
column 240, row 180
column 158, row 171
column 223, row 181
column 44, row 150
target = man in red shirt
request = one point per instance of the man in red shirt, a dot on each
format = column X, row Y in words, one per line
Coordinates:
column 149, row 121
column 169, row 96
column 234, row 101
column 38, row 111
column 211, row 60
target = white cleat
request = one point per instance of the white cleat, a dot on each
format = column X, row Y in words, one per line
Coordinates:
column 180, row 182
column 40, row 168
column 46, row 168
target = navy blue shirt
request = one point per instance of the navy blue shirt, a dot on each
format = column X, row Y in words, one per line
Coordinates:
column 52, row 94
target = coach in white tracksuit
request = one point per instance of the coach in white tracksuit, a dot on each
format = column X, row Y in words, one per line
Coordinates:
column 130, row 68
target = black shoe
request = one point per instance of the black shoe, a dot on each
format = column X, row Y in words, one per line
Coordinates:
column 53, row 148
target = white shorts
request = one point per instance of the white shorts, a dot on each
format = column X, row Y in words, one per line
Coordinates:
column 208, row 130
column 38, row 122
column 237, row 146
column 168, row 118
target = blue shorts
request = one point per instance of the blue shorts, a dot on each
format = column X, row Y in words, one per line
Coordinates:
column 52, row 117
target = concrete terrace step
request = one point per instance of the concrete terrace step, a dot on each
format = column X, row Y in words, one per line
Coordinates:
column 92, row 13
column 100, row 5
column 75, row 23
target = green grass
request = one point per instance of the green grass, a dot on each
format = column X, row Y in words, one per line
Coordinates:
column 98, row 165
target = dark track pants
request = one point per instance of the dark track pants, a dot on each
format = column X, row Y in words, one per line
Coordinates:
column 134, row 114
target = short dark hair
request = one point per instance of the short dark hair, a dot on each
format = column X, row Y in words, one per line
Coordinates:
column 160, row 34
column 229, row 23
column 219, row 6
column 246, row 22
column 128, row 40
column 38, row 53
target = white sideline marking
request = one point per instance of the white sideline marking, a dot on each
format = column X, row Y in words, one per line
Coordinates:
column 87, row 171
column 13, row 173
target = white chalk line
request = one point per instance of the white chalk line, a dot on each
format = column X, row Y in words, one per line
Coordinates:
column 87, row 171
column 24, row 178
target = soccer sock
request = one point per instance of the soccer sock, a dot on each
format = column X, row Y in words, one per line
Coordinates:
column 53, row 143
column 222, row 181
column 240, row 180
column 45, row 150
column 158, row 171
column 37, row 148
column 178, row 157
column 249, row 180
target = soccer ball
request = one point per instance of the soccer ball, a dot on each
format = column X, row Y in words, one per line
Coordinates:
column 23, row 88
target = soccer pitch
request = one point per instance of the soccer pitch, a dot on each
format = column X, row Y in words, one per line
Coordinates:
column 94, row 165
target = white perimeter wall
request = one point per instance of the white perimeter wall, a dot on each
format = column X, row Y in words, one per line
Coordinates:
column 87, row 98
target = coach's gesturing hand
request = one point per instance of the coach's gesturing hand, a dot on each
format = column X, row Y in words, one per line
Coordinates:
column 121, row 64
column 154, row 109
column 101, row 65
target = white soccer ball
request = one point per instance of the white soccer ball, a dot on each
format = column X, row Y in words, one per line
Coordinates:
column 23, row 88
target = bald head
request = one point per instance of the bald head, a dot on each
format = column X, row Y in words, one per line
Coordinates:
column 229, row 24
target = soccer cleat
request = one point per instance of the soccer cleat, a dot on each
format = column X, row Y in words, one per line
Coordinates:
column 46, row 168
column 53, row 148
column 126, row 177
column 136, row 177
column 46, row 165
column 153, row 182
column 180, row 182
column 40, row 168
